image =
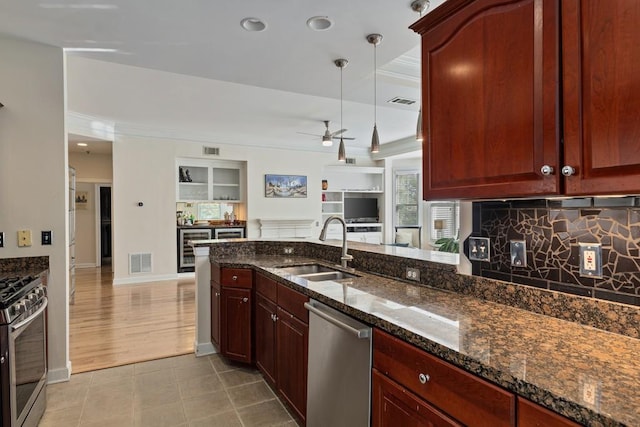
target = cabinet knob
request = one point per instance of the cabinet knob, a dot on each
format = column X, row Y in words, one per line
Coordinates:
column 546, row 170
column 234, row 278
column 568, row 170
column 245, row 299
column 217, row 294
column 424, row 378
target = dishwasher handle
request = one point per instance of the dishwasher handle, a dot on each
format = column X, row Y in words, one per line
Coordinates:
column 360, row 333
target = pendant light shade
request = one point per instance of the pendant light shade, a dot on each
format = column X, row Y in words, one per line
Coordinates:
column 420, row 6
column 342, row 156
column 341, row 63
column 375, row 40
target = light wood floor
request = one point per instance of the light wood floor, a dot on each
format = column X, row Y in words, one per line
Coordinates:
column 118, row 325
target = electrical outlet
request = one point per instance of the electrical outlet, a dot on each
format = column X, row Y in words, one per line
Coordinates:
column 1, row 239
column 288, row 250
column 24, row 238
column 590, row 260
column 46, row 237
column 518, row 253
column 590, row 391
column 413, row 274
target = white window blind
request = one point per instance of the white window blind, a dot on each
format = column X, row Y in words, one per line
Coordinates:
column 444, row 219
column 406, row 193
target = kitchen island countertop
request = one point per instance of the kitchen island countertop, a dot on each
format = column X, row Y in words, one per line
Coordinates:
column 550, row 361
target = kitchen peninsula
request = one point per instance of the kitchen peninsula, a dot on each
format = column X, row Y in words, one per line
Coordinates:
column 486, row 328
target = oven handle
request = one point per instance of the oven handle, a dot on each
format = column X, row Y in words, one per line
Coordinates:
column 30, row 318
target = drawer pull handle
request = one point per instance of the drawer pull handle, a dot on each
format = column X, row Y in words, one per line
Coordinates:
column 234, row 278
column 424, row 378
column 245, row 299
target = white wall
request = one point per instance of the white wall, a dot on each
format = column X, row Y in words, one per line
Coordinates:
column 86, row 227
column 33, row 173
column 92, row 167
column 144, row 171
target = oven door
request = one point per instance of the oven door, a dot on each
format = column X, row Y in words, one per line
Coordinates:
column 229, row 233
column 28, row 368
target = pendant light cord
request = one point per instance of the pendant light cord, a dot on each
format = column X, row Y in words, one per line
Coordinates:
column 341, row 97
column 375, row 86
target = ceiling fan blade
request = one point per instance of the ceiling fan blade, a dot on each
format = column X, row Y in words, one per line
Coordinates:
column 338, row 132
column 312, row 134
column 344, row 137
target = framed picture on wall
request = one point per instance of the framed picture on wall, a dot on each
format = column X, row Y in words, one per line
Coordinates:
column 285, row 186
column 82, row 199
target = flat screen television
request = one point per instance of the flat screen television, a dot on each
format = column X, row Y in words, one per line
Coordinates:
column 360, row 209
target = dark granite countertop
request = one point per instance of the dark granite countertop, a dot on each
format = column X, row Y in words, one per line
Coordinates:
column 587, row 374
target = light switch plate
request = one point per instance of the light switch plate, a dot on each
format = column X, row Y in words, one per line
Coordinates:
column 479, row 249
column 518, row 253
column 46, row 237
column 24, row 238
column 590, row 260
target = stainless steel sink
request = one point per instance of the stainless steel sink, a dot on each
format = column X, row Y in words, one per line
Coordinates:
column 317, row 272
column 298, row 270
column 327, row 275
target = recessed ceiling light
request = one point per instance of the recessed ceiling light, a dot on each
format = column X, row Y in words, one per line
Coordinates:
column 319, row 23
column 253, row 24
column 82, row 144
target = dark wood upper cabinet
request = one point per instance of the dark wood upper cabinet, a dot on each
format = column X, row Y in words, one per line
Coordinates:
column 601, row 95
column 510, row 87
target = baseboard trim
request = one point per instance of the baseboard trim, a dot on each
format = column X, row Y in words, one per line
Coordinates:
column 59, row 375
column 144, row 279
column 188, row 275
column 86, row 265
column 204, row 349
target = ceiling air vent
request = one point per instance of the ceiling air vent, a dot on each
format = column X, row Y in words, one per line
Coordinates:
column 350, row 161
column 139, row 263
column 401, row 101
column 210, row 151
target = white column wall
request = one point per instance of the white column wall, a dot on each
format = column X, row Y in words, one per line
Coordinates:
column 33, row 173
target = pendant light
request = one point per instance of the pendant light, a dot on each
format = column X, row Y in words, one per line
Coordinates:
column 420, row 6
column 341, row 63
column 375, row 40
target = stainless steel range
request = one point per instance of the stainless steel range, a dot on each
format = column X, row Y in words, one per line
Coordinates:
column 23, row 351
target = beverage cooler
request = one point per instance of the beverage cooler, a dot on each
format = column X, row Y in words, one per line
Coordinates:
column 186, row 257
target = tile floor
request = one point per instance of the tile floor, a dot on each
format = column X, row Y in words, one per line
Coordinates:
column 180, row 391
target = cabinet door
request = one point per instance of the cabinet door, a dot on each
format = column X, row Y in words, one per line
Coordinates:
column 291, row 366
column 235, row 324
column 265, row 345
column 601, row 95
column 533, row 415
column 490, row 74
column 215, row 313
column 392, row 405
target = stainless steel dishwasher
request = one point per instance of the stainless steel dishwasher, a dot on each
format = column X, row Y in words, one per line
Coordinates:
column 339, row 373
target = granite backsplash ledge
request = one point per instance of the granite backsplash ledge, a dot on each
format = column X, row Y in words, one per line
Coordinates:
column 606, row 315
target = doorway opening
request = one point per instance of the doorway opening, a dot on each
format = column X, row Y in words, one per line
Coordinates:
column 104, row 240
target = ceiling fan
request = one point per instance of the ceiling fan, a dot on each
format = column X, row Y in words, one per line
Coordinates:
column 328, row 137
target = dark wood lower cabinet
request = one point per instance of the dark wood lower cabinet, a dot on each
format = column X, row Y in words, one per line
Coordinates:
column 393, row 405
column 236, row 324
column 265, row 344
column 292, row 345
column 533, row 415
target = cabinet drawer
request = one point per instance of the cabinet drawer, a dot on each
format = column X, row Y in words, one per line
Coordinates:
column 533, row 415
column 393, row 405
column 266, row 287
column 463, row 396
column 293, row 302
column 237, row 277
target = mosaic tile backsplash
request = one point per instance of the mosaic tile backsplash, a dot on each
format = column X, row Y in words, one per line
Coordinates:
column 553, row 231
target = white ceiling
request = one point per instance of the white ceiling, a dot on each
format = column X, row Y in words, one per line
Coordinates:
column 205, row 39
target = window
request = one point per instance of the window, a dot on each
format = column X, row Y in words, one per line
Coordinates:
column 407, row 198
column 443, row 219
